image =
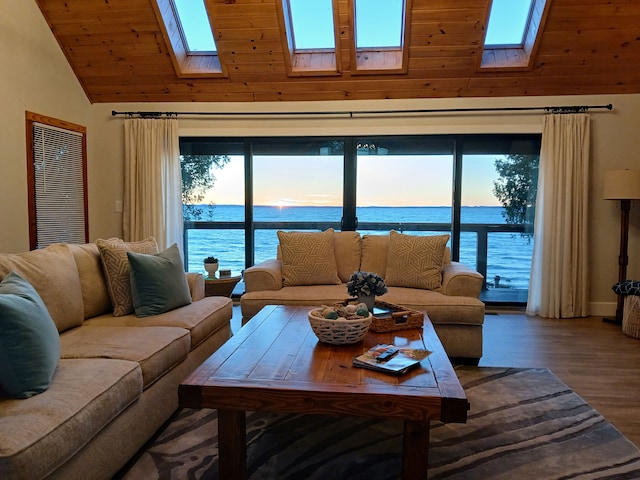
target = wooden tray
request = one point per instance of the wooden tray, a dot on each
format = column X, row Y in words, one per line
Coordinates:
column 401, row 318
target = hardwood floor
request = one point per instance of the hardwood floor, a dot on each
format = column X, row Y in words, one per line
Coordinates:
column 597, row 360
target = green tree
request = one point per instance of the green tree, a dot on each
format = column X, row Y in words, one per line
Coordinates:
column 517, row 187
column 197, row 178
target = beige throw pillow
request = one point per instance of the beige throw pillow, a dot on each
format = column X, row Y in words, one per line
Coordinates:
column 113, row 254
column 308, row 258
column 415, row 261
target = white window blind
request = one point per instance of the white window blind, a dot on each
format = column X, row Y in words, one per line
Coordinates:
column 59, row 185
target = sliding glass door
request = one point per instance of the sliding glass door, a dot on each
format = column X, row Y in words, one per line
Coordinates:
column 478, row 188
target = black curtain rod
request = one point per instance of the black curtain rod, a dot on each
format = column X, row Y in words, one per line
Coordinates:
column 350, row 114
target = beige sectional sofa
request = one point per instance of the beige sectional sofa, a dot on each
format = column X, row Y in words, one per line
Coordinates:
column 454, row 306
column 117, row 379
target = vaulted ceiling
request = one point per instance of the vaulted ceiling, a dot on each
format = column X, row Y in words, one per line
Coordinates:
column 119, row 52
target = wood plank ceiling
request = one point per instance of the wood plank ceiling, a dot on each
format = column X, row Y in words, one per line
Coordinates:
column 119, row 54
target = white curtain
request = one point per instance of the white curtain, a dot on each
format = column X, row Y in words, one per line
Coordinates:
column 152, row 181
column 559, row 278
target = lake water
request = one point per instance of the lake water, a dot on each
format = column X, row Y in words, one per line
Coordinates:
column 509, row 255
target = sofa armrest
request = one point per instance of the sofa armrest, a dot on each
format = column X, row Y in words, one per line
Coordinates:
column 461, row 280
column 265, row 275
column 196, row 285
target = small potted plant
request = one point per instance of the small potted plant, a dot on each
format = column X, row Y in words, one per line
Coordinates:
column 365, row 286
column 211, row 265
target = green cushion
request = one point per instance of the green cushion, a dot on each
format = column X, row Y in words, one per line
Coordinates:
column 29, row 340
column 158, row 282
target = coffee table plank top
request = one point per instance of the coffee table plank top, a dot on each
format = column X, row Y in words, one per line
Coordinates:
column 276, row 363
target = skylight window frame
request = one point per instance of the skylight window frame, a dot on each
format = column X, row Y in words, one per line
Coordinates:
column 506, row 57
column 308, row 61
column 384, row 59
column 187, row 64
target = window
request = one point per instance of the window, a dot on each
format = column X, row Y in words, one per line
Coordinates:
column 416, row 184
column 309, row 36
column 194, row 26
column 508, row 22
column 57, row 179
column 381, row 29
column 512, row 33
column 188, row 31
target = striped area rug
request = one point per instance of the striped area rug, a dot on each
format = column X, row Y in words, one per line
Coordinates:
column 523, row 424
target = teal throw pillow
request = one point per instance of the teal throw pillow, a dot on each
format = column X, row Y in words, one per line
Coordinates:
column 158, row 282
column 29, row 340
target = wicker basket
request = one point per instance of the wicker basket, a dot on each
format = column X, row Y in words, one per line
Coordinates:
column 339, row 332
column 401, row 318
column 631, row 316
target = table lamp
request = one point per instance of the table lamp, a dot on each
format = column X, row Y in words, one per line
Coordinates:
column 623, row 185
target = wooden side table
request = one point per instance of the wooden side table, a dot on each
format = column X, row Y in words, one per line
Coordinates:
column 220, row 286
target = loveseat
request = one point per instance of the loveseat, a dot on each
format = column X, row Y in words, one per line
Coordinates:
column 116, row 379
column 451, row 298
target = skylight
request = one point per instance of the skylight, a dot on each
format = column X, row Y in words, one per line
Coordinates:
column 508, row 22
column 379, row 23
column 312, row 24
column 513, row 30
column 194, row 25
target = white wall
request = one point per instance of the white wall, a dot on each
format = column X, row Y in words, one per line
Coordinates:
column 35, row 76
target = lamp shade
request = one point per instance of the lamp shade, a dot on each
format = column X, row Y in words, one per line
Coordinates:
column 621, row 185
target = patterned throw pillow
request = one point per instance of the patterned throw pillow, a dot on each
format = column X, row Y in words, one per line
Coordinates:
column 113, row 254
column 627, row 287
column 415, row 261
column 308, row 258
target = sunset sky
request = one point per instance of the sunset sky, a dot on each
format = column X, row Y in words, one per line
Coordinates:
column 382, row 180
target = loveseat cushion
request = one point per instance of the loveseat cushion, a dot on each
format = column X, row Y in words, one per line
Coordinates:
column 375, row 250
column 347, row 247
column 42, row 432
column 53, row 273
column 415, row 261
column 201, row 318
column 29, row 341
column 308, row 258
column 156, row 349
column 95, row 295
column 113, row 254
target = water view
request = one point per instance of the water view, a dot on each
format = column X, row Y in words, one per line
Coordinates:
column 508, row 255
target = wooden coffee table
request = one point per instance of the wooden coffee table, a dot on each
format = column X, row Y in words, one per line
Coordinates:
column 276, row 363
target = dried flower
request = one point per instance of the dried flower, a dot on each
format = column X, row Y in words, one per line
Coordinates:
column 366, row 283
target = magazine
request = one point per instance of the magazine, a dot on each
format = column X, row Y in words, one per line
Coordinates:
column 390, row 359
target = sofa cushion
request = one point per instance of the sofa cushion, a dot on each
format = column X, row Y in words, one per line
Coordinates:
column 201, row 318
column 308, row 258
column 29, row 341
column 41, row 433
column 158, row 282
column 113, row 254
column 415, row 261
column 52, row 272
column 156, row 349
column 347, row 247
column 95, row 295
column 375, row 250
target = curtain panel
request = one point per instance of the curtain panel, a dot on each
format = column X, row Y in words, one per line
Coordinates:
column 152, row 182
column 559, row 284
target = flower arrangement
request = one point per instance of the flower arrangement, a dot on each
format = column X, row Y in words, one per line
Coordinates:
column 211, row 260
column 366, row 283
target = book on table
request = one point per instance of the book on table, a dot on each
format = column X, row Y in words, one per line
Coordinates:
column 390, row 359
